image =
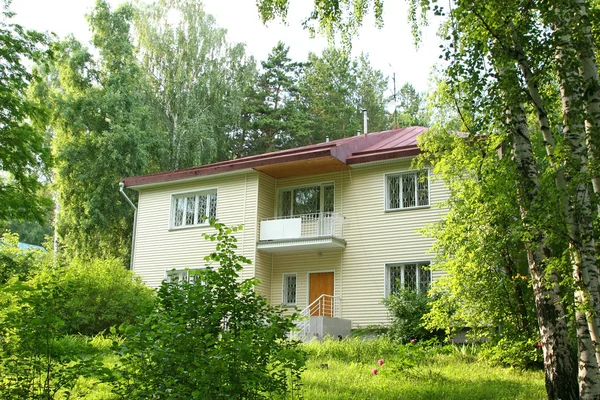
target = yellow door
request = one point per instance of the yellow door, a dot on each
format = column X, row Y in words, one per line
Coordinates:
column 321, row 283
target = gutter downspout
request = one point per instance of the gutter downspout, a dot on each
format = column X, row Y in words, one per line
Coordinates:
column 135, row 210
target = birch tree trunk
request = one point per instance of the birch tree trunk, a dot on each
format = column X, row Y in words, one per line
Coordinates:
column 589, row 72
column 580, row 227
column 579, row 214
column 560, row 373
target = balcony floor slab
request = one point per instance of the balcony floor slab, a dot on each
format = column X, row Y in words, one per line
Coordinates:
column 301, row 245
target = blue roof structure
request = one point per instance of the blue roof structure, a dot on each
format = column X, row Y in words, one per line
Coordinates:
column 27, row 246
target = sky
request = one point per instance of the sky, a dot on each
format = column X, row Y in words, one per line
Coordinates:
column 390, row 49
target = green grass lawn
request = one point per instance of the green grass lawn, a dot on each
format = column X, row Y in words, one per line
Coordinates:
column 342, row 370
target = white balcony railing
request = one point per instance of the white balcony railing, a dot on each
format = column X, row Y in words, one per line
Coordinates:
column 327, row 224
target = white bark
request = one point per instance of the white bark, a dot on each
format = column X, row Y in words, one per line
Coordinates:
column 589, row 71
column 579, row 215
column 558, row 367
column 587, row 325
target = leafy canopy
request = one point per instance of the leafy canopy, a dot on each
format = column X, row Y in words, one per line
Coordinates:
column 24, row 153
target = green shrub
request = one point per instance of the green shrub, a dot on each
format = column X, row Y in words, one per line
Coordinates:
column 213, row 338
column 32, row 363
column 370, row 331
column 97, row 295
column 525, row 354
column 406, row 308
column 16, row 262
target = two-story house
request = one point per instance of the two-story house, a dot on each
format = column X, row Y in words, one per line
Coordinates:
column 334, row 225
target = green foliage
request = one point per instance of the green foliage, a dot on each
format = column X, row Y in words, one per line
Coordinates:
column 214, row 337
column 329, row 87
column 98, row 294
column 351, row 350
column 24, row 152
column 197, row 80
column 513, row 353
column 480, row 242
column 329, row 17
column 31, row 232
column 101, row 129
column 406, row 308
column 274, row 115
column 14, row 261
column 37, row 360
column 30, row 365
column 371, row 96
column 94, row 383
column 336, row 88
column 369, row 331
column 410, row 107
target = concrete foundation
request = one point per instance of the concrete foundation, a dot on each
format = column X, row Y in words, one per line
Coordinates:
column 325, row 326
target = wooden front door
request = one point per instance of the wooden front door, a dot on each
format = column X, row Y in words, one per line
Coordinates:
column 321, row 283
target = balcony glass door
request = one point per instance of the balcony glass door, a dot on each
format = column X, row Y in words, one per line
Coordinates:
column 306, row 200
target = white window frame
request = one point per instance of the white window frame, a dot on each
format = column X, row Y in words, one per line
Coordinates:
column 292, row 188
column 197, row 193
column 400, row 173
column 388, row 266
column 183, row 274
column 284, row 299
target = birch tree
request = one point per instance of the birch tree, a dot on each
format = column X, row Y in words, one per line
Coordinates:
column 552, row 48
column 197, row 79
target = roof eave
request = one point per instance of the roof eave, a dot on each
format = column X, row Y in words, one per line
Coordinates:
column 383, row 155
column 221, row 168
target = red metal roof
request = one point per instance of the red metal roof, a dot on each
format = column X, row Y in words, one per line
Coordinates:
column 351, row 150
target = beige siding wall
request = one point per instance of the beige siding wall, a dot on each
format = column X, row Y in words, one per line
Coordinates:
column 302, row 264
column 158, row 249
column 374, row 237
column 266, row 209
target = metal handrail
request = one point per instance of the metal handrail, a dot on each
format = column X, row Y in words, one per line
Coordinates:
column 304, row 216
column 330, row 306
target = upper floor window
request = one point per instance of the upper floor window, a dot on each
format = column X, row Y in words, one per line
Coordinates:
column 407, row 190
column 414, row 276
column 191, row 209
column 306, row 200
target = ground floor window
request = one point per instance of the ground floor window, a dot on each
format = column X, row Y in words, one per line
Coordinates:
column 414, row 275
column 182, row 274
column 289, row 289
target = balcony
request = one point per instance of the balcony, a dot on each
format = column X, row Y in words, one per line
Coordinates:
column 307, row 232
